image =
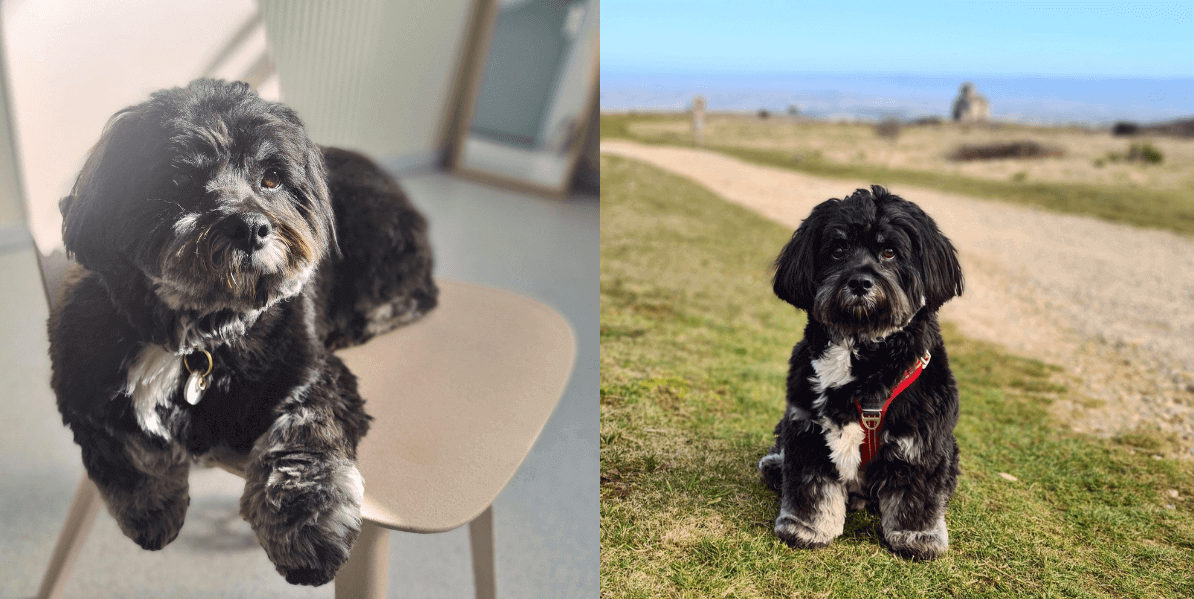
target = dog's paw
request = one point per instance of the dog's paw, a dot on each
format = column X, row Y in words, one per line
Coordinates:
column 800, row 535
column 153, row 525
column 306, row 516
column 921, row 545
column 771, row 470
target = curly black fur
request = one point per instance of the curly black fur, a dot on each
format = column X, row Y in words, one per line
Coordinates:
column 206, row 219
column 871, row 270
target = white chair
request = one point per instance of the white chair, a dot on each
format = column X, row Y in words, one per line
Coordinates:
column 458, row 399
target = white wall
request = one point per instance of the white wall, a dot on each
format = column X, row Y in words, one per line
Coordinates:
column 11, row 212
column 73, row 63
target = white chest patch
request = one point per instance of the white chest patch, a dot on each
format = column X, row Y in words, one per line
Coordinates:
column 844, row 448
column 151, row 380
column 832, row 369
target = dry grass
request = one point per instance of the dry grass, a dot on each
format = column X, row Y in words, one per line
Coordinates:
column 929, row 148
column 1145, row 195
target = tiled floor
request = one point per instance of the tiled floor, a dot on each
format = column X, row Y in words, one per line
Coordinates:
column 546, row 520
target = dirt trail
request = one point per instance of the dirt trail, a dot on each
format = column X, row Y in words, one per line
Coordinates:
column 1111, row 304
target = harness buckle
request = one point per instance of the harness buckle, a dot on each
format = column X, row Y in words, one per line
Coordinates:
column 871, row 419
column 923, row 362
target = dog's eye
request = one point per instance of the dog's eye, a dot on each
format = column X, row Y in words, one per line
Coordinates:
column 838, row 252
column 887, row 254
column 271, row 179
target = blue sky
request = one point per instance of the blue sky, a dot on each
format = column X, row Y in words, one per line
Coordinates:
column 1068, row 39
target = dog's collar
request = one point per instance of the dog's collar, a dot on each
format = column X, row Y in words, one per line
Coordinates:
column 871, row 418
column 199, row 379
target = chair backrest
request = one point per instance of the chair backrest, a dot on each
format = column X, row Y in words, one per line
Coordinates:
column 53, row 267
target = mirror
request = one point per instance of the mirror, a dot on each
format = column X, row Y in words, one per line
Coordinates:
column 531, row 96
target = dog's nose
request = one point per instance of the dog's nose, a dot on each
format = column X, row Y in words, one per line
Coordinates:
column 860, row 284
column 248, row 231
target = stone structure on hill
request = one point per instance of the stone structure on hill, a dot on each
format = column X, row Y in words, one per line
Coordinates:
column 970, row 107
column 698, row 120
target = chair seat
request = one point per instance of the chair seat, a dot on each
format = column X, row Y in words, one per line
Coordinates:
column 458, row 398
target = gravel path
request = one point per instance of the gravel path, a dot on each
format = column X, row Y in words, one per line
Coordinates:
column 1111, row 304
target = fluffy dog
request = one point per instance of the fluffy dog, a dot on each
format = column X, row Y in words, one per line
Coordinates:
column 870, row 270
column 223, row 255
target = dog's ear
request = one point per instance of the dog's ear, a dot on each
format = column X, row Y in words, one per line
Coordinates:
column 796, row 267
column 321, row 197
column 92, row 214
column 941, row 270
column 313, row 186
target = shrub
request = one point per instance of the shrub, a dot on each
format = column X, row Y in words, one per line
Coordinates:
column 1125, row 128
column 1142, row 152
column 1015, row 149
column 888, row 128
column 1145, row 152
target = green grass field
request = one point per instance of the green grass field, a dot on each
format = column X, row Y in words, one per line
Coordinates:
column 693, row 358
column 1172, row 210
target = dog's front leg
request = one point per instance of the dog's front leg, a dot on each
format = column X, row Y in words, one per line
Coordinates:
column 143, row 484
column 813, row 502
column 303, row 491
column 913, row 494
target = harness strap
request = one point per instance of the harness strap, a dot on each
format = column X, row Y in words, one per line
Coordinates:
column 871, row 419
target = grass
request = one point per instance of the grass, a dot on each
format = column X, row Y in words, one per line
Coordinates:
column 1171, row 209
column 693, row 358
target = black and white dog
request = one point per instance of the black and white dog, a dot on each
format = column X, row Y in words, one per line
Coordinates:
column 223, row 256
column 871, row 271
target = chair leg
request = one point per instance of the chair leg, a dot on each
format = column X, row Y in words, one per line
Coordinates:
column 363, row 576
column 74, row 532
column 480, row 532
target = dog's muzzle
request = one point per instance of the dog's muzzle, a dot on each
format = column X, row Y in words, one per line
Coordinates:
column 248, row 232
column 860, row 284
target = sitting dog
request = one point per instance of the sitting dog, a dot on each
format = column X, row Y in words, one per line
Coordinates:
column 871, row 401
column 223, row 255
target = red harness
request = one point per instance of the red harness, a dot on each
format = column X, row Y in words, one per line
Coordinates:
column 872, row 419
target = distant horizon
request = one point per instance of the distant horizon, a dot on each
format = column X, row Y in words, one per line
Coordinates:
column 1089, row 100
column 646, row 70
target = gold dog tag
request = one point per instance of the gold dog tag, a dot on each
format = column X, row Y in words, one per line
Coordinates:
column 198, row 381
column 196, row 387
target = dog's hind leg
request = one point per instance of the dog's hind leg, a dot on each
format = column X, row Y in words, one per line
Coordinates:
column 381, row 278
column 144, row 486
column 771, row 465
column 303, row 491
column 771, row 469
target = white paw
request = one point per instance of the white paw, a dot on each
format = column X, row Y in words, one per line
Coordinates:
column 805, row 535
column 919, row 544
